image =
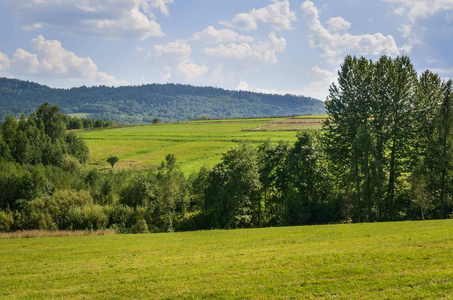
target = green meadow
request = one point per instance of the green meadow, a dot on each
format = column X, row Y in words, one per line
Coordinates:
column 194, row 143
column 408, row 260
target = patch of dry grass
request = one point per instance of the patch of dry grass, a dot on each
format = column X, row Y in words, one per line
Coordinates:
column 44, row 233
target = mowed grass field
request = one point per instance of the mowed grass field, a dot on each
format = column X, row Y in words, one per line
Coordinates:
column 194, row 143
column 400, row 260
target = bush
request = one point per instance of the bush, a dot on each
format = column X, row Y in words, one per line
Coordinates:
column 90, row 217
column 140, row 225
column 6, row 221
column 51, row 212
column 120, row 217
column 71, row 164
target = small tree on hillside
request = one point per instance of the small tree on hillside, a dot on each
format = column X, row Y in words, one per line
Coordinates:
column 112, row 160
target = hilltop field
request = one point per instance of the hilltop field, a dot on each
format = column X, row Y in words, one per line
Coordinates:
column 352, row 261
column 195, row 143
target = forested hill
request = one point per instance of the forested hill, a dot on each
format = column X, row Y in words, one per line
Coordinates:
column 137, row 104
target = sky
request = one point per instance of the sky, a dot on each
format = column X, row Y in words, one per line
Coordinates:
column 270, row 46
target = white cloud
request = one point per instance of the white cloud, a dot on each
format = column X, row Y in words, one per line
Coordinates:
column 191, row 70
column 4, row 62
column 166, row 73
column 243, row 86
column 177, row 55
column 334, row 44
column 217, row 72
column 278, row 15
column 212, row 35
column 420, row 9
column 263, row 51
column 51, row 60
column 338, row 24
column 443, row 71
column 316, row 70
column 121, row 20
column 318, row 88
column 179, row 48
column 399, row 11
column 162, row 5
column 415, row 10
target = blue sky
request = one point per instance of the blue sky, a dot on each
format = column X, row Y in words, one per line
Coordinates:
column 276, row 46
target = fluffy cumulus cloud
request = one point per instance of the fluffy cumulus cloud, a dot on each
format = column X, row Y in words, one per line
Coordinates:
column 316, row 70
column 338, row 24
column 334, row 44
column 51, row 60
column 123, row 19
column 418, row 9
column 318, row 88
column 415, row 10
column 4, row 62
column 278, row 15
column 177, row 56
column 263, row 51
column 212, row 35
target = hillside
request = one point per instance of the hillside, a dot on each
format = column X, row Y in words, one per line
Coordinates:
column 141, row 104
column 195, row 143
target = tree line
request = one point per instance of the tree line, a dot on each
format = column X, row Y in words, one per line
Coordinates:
column 144, row 103
column 384, row 154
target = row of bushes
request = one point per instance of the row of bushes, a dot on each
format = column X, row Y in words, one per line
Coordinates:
column 73, row 210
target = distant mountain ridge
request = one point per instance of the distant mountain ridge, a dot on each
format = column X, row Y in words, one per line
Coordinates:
column 140, row 104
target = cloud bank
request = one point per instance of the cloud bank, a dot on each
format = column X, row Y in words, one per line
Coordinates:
column 51, row 60
column 117, row 20
column 278, row 15
column 334, row 44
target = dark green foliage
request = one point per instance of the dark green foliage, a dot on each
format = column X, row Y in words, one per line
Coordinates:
column 85, row 123
column 52, row 120
column 387, row 140
column 140, row 191
column 76, row 147
column 88, row 216
column 40, row 139
column 112, row 160
column 308, row 186
column 142, row 104
column 233, row 192
column 51, row 212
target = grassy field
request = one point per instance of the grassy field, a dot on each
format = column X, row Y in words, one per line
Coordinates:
column 80, row 115
column 195, row 143
column 411, row 260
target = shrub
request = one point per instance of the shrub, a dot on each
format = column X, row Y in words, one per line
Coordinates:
column 50, row 212
column 120, row 217
column 90, row 217
column 6, row 221
column 71, row 165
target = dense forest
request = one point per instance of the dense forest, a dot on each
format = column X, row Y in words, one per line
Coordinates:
column 142, row 104
column 384, row 153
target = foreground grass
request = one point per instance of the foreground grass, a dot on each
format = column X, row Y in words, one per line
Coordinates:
column 195, row 143
column 362, row 261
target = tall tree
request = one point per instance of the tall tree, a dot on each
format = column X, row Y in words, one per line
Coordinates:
column 233, row 192
column 52, row 120
column 347, row 137
column 307, row 183
column 403, row 79
column 380, row 125
column 439, row 158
